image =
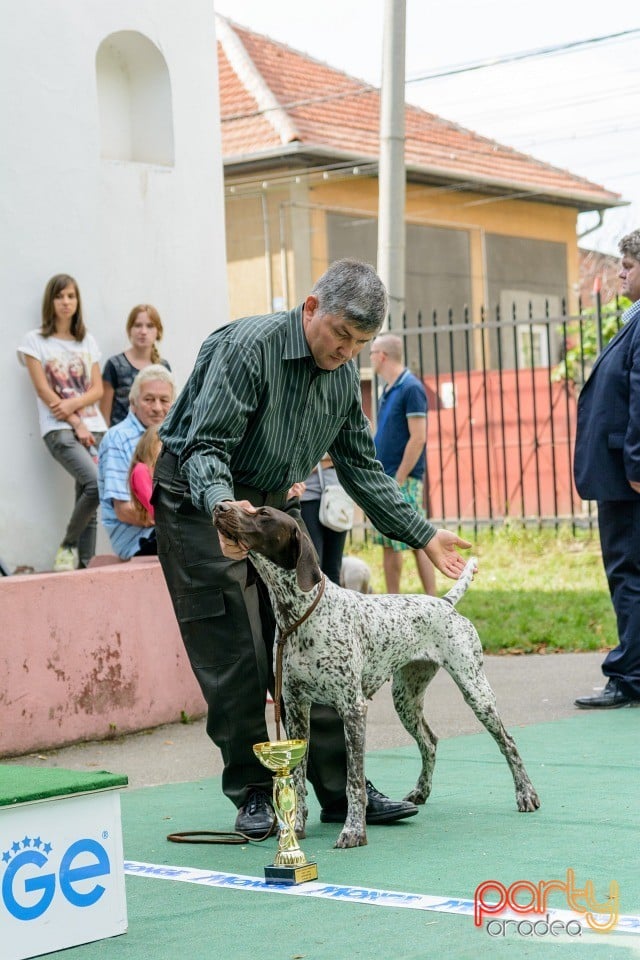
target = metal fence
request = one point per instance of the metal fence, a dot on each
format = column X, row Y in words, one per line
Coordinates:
column 502, row 394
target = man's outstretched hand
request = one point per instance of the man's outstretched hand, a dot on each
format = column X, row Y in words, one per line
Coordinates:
column 442, row 550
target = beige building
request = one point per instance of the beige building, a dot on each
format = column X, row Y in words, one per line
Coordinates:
column 486, row 226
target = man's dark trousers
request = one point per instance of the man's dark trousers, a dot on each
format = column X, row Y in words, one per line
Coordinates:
column 619, row 525
column 227, row 626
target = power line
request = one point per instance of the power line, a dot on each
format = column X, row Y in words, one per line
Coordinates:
column 366, row 89
column 527, row 141
column 546, row 99
column 524, row 55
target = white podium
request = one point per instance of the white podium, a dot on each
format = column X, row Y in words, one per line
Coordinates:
column 61, row 860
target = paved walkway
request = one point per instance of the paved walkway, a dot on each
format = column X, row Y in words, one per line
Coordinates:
column 530, row 689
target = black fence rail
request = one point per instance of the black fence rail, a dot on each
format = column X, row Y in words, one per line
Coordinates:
column 502, row 396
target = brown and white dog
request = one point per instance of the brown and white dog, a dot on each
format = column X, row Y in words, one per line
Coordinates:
column 352, row 643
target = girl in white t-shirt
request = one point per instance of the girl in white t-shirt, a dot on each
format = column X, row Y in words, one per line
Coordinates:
column 63, row 363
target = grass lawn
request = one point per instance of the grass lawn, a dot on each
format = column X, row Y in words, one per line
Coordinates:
column 535, row 592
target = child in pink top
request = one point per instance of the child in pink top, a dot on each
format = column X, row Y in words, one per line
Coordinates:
column 143, row 462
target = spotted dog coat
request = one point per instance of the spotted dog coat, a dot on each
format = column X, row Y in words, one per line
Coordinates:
column 352, row 643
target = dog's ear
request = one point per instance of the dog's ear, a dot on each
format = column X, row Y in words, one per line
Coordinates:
column 308, row 570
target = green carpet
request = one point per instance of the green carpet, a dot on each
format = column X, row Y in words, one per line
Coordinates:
column 26, row 784
column 586, row 772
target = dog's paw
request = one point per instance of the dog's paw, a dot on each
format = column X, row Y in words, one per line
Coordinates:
column 416, row 796
column 301, row 832
column 528, row 800
column 351, row 838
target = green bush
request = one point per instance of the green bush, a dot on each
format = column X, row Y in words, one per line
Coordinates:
column 582, row 339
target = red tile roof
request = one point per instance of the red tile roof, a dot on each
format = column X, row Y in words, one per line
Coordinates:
column 598, row 270
column 277, row 104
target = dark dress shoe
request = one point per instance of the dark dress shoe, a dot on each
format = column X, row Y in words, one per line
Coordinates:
column 380, row 809
column 256, row 818
column 611, row 696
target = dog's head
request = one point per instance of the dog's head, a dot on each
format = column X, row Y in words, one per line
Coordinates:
column 274, row 535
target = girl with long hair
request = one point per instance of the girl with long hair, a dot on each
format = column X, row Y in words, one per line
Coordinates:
column 62, row 359
column 141, row 470
column 145, row 330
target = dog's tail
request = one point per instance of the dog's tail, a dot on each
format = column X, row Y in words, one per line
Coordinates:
column 458, row 591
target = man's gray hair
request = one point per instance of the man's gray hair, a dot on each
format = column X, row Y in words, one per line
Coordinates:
column 155, row 371
column 630, row 245
column 353, row 290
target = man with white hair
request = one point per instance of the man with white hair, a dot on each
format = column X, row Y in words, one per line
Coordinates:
column 152, row 393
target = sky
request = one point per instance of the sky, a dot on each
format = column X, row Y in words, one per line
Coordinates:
column 579, row 109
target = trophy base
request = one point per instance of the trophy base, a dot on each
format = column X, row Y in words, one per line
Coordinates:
column 291, row 875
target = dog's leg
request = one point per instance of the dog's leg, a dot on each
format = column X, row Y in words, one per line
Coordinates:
column 354, row 832
column 297, row 725
column 409, row 684
column 476, row 690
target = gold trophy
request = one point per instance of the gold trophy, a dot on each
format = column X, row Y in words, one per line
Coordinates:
column 290, row 864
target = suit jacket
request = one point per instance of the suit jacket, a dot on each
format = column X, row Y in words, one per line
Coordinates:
column 607, row 453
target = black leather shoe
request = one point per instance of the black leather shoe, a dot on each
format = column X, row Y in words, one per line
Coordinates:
column 380, row 809
column 611, row 696
column 256, row 818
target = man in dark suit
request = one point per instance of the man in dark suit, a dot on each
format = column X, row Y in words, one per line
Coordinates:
column 607, row 469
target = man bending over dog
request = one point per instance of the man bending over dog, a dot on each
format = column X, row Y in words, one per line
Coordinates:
column 268, row 396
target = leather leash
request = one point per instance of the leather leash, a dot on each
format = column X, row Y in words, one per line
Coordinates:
column 218, row 836
column 283, row 636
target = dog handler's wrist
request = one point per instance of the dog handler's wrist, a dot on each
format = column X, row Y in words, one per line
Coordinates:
column 216, row 494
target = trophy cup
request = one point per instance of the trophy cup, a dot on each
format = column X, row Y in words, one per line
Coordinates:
column 290, row 864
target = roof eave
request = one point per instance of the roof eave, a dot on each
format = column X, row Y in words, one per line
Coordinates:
column 517, row 190
column 280, row 155
column 303, row 155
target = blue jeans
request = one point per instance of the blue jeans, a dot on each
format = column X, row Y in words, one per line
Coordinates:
column 64, row 447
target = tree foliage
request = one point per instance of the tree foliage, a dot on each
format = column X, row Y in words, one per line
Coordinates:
column 581, row 343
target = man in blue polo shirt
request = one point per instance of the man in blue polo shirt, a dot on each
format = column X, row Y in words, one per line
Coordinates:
column 400, row 441
column 151, row 395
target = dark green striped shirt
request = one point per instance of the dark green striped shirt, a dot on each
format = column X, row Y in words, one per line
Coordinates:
column 257, row 409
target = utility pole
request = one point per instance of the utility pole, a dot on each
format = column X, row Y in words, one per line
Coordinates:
column 391, row 172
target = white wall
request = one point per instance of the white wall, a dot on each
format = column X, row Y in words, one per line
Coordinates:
column 129, row 232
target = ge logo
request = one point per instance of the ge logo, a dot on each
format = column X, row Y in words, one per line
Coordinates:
column 27, row 891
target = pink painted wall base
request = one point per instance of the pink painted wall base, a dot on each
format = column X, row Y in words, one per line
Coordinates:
column 90, row 654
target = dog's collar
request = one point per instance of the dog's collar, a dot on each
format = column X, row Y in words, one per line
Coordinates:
column 284, row 634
